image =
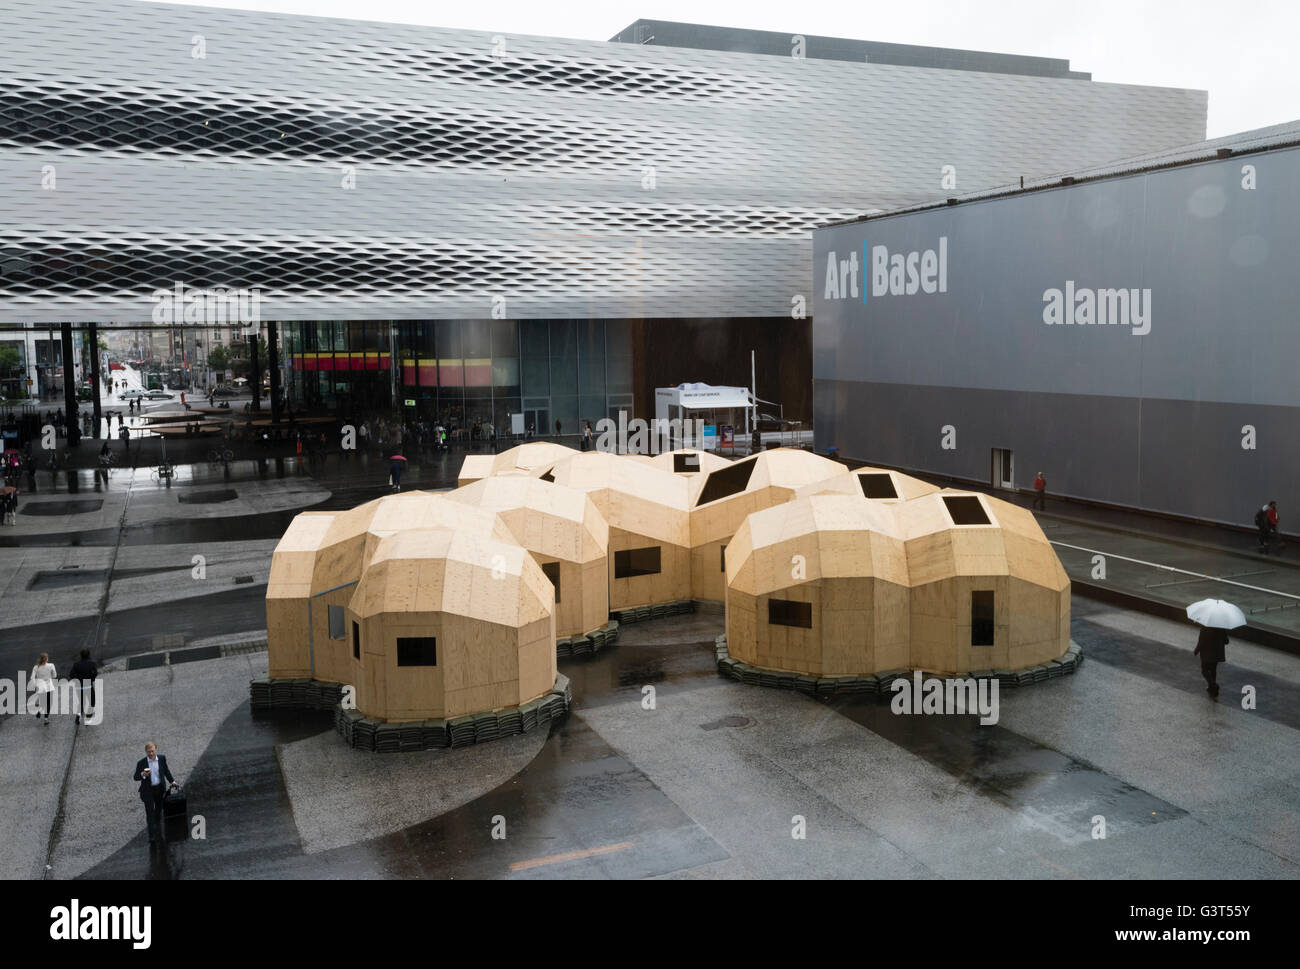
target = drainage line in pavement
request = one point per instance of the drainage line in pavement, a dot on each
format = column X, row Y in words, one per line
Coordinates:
column 60, row 814
column 1170, row 568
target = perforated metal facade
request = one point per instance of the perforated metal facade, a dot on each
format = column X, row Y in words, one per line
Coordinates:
column 485, row 165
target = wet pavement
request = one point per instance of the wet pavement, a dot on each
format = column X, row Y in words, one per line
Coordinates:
column 711, row 779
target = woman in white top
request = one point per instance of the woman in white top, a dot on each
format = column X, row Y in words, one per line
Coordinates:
column 43, row 681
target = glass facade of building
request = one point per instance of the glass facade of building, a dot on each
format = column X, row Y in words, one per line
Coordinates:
column 463, row 372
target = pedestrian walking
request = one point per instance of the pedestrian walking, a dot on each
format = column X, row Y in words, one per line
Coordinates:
column 1210, row 648
column 557, row 427
column 43, row 675
column 396, row 465
column 1040, row 491
column 586, row 436
column 154, row 776
column 84, row 671
column 1266, row 520
column 124, row 433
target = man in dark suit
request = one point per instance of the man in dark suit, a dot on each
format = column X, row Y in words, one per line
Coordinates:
column 154, row 775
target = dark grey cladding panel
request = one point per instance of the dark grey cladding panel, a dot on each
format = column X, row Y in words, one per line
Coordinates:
column 1175, row 456
column 1204, row 264
column 667, row 33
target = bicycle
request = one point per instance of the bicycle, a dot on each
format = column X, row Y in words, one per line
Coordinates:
column 164, row 472
column 220, row 455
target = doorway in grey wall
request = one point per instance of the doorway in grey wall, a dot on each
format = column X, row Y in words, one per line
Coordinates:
column 1003, row 470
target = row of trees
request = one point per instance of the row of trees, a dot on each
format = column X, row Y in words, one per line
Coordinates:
column 11, row 372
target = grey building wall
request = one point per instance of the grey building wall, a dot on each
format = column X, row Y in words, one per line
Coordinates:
column 1153, row 421
column 485, row 165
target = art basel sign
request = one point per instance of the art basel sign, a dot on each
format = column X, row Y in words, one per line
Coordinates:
column 922, row 271
column 892, row 274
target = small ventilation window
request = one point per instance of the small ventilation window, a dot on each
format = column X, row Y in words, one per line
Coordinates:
column 356, row 640
column 877, row 486
column 552, row 570
column 337, row 624
column 966, row 510
column 981, row 618
column 549, row 475
column 636, row 561
column 417, row 651
column 726, row 482
column 685, row 463
column 786, row 612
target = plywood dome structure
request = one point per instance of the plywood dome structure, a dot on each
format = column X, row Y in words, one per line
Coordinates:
column 878, row 484
column 566, row 535
column 475, row 467
column 689, row 461
column 819, row 586
column 523, row 458
column 446, row 623
column 348, row 544
column 647, row 511
column 724, row 497
column 288, row 593
column 988, row 590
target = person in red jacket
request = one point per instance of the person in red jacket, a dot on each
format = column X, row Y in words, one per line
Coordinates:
column 1040, row 492
column 1268, row 536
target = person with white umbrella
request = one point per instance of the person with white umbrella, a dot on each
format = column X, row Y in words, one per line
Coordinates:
column 1216, row 617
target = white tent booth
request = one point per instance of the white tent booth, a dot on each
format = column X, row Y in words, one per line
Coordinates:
column 717, row 407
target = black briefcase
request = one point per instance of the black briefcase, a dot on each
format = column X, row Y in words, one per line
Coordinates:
column 175, row 804
column 176, row 820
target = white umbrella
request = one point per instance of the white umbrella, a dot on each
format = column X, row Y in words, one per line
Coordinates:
column 240, row 380
column 1216, row 613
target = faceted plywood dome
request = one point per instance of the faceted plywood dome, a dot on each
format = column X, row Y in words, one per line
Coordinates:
column 522, row 458
column 723, row 498
column 649, row 524
column 977, row 587
column 878, row 484
column 961, row 544
column 447, row 623
column 353, row 535
column 561, row 527
column 689, row 461
column 475, row 467
column 287, row 592
column 530, row 456
column 819, row 586
column 631, row 495
column 441, row 570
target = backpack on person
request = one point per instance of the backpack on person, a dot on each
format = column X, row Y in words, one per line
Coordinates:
column 1261, row 519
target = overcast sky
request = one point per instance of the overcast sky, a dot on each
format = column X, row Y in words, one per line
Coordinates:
column 1242, row 53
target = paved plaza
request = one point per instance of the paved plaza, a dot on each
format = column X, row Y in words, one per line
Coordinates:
column 711, row 780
